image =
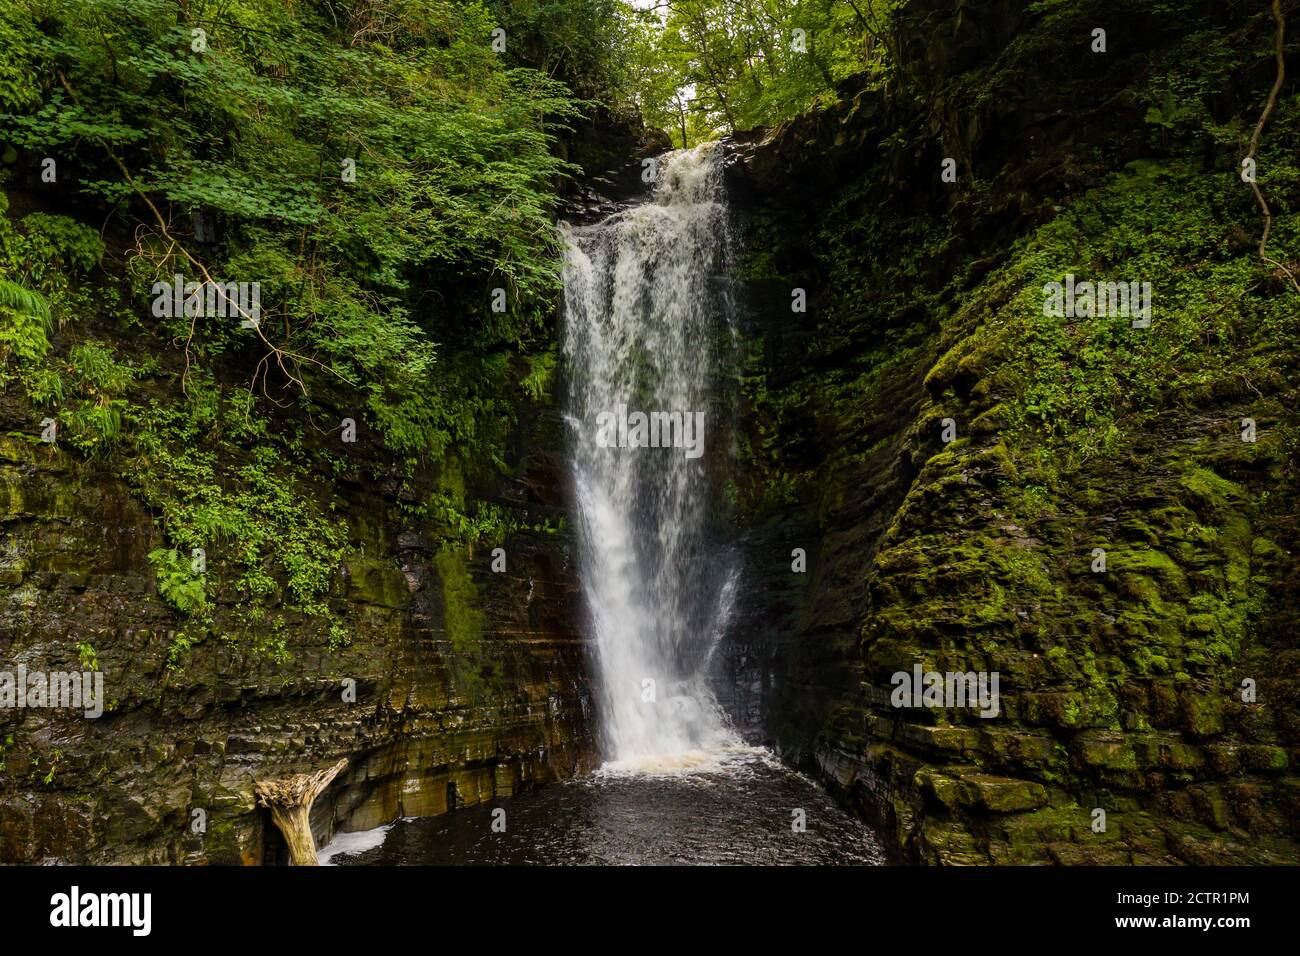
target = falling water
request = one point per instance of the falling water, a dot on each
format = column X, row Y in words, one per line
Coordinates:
column 648, row 328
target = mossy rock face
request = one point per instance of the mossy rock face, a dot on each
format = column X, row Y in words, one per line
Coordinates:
column 976, row 790
column 445, row 673
column 1071, row 503
column 1106, row 751
column 1202, row 714
column 377, row 582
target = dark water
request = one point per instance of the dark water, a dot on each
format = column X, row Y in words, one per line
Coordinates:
column 738, row 811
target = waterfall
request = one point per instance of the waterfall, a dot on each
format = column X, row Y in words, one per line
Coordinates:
column 648, row 335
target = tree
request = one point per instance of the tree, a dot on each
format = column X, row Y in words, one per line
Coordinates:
column 737, row 64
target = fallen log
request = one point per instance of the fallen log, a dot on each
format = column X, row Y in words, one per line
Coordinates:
column 290, row 800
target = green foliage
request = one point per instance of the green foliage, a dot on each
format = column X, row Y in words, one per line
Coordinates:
column 19, row 88
column 262, row 129
column 18, row 299
column 86, row 654
column 581, row 42
column 25, row 326
column 92, row 392
column 47, row 254
column 223, row 483
column 1077, row 381
column 179, row 585
column 374, row 287
column 180, row 646
column 541, row 372
column 715, row 66
column 1182, row 87
column 48, row 778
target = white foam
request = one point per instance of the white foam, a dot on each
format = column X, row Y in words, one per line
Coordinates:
column 358, row 842
column 731, row 760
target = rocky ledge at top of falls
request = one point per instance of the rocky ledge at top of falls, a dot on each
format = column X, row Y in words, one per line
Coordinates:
column 611, row 151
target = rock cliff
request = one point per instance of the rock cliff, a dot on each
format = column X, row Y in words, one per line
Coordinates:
column 467, row 683
column 955, row 462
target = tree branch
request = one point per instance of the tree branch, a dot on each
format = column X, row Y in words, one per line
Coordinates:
column 1280, row 52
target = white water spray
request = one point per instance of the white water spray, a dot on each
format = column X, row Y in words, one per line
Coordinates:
column 648, row 327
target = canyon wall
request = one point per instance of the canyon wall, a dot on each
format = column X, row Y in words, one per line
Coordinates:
column 954, row 462
column 949, row 460
column 469, row 683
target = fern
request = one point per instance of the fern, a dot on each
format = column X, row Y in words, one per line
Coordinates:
column 179, row 584
column 13, row 296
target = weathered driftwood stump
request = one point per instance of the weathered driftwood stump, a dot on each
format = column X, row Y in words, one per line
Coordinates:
column 289, row 801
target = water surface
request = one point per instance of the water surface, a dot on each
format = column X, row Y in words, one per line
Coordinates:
column 731, row 808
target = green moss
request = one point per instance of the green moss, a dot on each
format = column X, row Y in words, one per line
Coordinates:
column 1202, row 714
column 1211, row 495
column 475, row 671
column 462, row 620
column 537, row 383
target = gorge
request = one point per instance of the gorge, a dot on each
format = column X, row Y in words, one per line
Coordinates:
column 906, row 466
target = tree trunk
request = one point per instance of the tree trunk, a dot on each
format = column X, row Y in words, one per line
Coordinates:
column 290, row 801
